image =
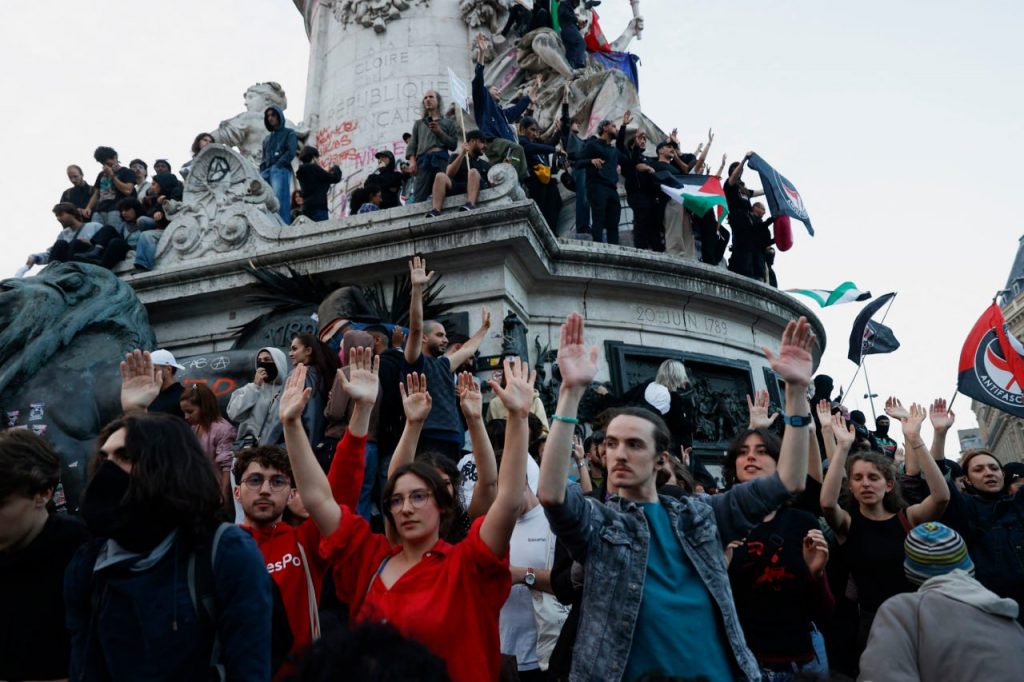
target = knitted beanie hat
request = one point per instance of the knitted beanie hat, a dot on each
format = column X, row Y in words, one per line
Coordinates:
column 934, row 549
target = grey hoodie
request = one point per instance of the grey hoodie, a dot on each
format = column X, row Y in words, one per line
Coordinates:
column 254, row 408
column 952, row 628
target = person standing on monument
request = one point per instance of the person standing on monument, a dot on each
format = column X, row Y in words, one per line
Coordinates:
column 433, row 136
column 601, row 159
column 276, row 166
column 80, row 191
column 388, row 178
column 315, row 183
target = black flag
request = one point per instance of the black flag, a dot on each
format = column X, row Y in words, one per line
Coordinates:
column 876, row 339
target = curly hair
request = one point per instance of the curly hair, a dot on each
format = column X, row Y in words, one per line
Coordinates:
column 267, row 456
column 893, row 500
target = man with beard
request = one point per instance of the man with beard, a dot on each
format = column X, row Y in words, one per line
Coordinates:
column 80, row 192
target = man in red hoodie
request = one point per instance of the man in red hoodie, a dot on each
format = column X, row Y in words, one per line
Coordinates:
column 264, row 486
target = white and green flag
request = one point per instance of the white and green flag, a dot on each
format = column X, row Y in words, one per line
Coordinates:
column 847, row 292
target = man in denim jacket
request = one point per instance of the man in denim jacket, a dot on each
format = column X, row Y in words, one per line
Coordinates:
column 656, row 590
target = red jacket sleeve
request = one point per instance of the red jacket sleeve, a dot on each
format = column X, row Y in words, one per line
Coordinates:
column 347, row 470
column 354, row 553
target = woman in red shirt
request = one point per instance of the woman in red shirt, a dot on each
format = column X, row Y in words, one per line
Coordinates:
column 447, row 597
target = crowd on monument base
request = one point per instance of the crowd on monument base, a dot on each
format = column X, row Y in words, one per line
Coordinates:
column 126, row 210
column 373, row 521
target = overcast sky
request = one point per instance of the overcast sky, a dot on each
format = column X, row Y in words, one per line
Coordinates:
column 899, row 122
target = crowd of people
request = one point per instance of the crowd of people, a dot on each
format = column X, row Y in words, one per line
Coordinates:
column 359, row 512
column 126, row 209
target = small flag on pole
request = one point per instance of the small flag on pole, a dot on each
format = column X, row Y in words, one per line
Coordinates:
column 868, row 336
column 847, row 292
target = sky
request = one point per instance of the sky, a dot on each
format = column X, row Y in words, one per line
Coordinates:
column 899, row 122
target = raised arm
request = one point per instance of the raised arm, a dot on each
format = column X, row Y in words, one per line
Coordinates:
column 418, row 278
column 814, row 469
column 737, row 172
column 942, row 420
column 486, row 487
column 517, row 396
column 894, row 408
column 416, row 403
column 721, row 167
column 310, row 478
column 837, row 517
column 758, row 410
column 824, row 410
column 578, row 368
column 579, row 459
column 702, row 156
column 793, row 364
column 140, row 381
column 931, row 508
column 459, row 357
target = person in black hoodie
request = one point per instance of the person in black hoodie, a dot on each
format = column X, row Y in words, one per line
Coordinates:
column 278, row 151
column 315, row 182
column 165, row 187
column 641, row 187
column 538, row 158
column 600, row 157
column 388, row 178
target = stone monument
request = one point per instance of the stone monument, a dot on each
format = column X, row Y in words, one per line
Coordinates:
column 246, row 131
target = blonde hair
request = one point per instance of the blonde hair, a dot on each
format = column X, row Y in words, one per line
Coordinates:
column 672, row 375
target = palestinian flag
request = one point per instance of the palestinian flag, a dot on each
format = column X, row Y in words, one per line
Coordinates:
column 699, row 194
column 992, row 364
column 847, row 292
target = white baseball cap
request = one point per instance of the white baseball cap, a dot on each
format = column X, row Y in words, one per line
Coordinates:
column 165, row 358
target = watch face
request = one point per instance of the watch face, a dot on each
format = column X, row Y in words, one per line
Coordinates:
column 530, row 579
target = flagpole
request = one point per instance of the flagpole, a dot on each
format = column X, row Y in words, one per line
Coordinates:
column 956, row 392
column 871, row 398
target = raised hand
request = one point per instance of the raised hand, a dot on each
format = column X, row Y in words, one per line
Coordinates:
column 844, row 434
column 140, row 381
column 295, row 395
column 397, row 337
column 815, row 552
column 758, row 408
column 912, row 424
column 941, row 418
column 577, row 367
column 485, row 317
column 418, row 275
column 824, row 410
column 793, row 364
column 894, row 408
column 627, row 117
column 711, row 136
column 470, row 398
column 361, row 385
column 415, row 399
column 684, row 454
column 517, row 396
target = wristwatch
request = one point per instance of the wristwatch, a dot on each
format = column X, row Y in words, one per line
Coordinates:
column 530, row 578
column 797, row 422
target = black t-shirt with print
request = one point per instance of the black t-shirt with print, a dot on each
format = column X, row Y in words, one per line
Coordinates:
column 109, row 193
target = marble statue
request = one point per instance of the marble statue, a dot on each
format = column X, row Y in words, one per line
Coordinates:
column 225, row 202
column 64, row 332
column 246, row 131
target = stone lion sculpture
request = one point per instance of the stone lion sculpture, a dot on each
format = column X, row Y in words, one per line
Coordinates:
column 64, row 332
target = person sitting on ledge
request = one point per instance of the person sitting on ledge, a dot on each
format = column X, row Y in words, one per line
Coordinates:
column 374, row 198
column 466, row 174
column 73, row 239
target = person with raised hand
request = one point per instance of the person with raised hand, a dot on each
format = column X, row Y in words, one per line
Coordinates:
column 871, row 532
column 422, row 585
column 652, row 592
column 942, row 419
column 140, row 381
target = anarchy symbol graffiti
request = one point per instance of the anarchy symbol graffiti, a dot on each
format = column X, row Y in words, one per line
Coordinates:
column 218, row 170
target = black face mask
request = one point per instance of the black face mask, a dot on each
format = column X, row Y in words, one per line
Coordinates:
column 136, row 528
column 883, row 429
column 269, row 367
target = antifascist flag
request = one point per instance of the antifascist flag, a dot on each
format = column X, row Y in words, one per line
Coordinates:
column 782, row 196
column 699, row 194
column 847, row 292
column 992, row 364
column 874, row 338
column 878, row 339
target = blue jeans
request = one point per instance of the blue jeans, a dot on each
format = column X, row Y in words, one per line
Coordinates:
column 145, row 249
column 582, row 205
column 365, row 506
column 280, row 180
column 819, row 666
column 112, row 218
column 318, row 215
